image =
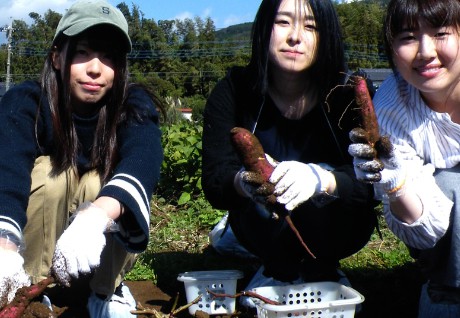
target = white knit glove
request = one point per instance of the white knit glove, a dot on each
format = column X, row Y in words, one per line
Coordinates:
column 79, row 248
column 12, row 275
column 381, row 165
column 296, row 182
column 394, row 175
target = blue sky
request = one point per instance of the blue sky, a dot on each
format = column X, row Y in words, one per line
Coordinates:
column 222, row 12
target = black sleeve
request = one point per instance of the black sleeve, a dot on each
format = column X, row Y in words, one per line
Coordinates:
column 220, row 162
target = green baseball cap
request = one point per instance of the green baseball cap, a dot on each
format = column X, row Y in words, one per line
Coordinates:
column 84, row 14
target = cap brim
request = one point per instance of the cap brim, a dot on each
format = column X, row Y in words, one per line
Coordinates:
column 78, row 28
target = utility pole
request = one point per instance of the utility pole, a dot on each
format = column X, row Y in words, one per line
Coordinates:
column 9, row 34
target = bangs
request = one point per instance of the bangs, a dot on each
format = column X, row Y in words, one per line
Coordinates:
column 405, row 17
column 434, row 13
column 437, row 14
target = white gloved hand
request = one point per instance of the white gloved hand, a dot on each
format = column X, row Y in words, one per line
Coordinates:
column 382, row 166
column 296, row 182
column 79, row 248
column 394, row 175
column 12, row 275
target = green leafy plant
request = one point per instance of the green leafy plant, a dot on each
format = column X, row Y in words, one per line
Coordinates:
column 181, row 173
column 181, row 168
column 207, row 216
column 142, row 270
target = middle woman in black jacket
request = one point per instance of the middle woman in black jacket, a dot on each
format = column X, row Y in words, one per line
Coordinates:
column 292, row 95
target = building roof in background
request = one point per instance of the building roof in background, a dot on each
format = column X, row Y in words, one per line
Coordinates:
column 377, row 75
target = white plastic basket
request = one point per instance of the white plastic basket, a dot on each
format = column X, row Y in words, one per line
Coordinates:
column 310, row 300
column 219, row 282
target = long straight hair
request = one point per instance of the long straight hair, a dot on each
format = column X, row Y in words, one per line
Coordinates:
column 407, row 14
column 57, row 89
column 329, row 68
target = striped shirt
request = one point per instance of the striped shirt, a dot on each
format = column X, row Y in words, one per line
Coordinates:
column 427, row 140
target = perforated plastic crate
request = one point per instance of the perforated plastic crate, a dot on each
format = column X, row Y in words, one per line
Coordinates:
column 219, row 282
column 310, row 300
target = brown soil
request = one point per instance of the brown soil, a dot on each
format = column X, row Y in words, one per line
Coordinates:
column 71, row 302
column 388, row 293
column 165, row 296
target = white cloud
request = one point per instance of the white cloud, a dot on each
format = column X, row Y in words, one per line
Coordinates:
column 189, row 15
column 207, row 13
column 232, row 20
column 237, row 19
column 19, row 9
column 184, row 15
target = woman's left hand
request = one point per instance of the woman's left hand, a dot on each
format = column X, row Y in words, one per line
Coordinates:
column 296, row 182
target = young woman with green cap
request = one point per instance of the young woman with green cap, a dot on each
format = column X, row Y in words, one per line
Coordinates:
column 81, row 158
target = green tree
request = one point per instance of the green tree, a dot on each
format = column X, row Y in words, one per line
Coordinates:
column 362, row 30
column 32, row 43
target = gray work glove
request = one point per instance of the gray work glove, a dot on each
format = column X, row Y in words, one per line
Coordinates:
column 380, row 164
column 78, row 250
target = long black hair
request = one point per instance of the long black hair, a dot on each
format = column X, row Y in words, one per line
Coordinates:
column 58, row 91
column 329, row 67
column 407, row 14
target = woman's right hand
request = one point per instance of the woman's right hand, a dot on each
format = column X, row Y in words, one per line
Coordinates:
column 12, row 274
column 252, row 185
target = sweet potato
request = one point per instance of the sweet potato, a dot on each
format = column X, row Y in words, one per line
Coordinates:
column 366, row 106
column 251, row 152
column 253, row 157
column 370, row 124
column 23, row 297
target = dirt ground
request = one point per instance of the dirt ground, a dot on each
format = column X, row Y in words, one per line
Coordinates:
column 398, row 289
column 71, row 302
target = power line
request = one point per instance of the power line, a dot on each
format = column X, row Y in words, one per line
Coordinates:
column 198, row 49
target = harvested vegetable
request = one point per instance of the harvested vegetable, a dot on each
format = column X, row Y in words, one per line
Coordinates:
column 370, row 124
column 23, row 297
column 253, row 158
column 366, row 106
column 251, row 152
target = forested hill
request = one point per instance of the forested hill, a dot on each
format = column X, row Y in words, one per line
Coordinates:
column 235, row 32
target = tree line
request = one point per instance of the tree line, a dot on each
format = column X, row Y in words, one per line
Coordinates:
column 183, row 59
